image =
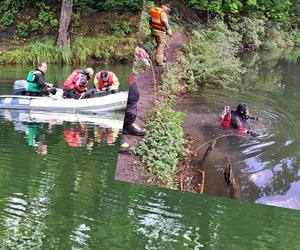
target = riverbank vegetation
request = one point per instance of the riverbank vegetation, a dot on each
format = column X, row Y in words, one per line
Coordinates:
column 104, row 48
column 220, row 33
column 101, row 31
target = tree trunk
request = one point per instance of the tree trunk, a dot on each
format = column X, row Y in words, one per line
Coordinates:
column 63, row 38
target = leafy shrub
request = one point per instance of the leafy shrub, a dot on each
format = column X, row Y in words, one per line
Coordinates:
column 35, row 25
column 121, row 28
column 75, row 19
column 250, row 30
column 7, row 19
column 122, row 5
column 22, row 30
column 54, row 22
column 210, row 57
column 162, row 147
column 296, row 38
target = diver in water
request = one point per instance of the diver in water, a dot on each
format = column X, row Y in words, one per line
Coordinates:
column 237, row 118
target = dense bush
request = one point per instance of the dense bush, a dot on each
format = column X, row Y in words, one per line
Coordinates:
column 162, row 147
column 110, row 5
column 7, row 19
column 210, row 57
column 122, row 28
column 261, row 9
column 22, row 30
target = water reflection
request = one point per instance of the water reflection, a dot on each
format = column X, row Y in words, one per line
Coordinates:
column 79, row 130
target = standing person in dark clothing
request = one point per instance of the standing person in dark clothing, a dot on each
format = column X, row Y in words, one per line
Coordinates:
column 131, row 110
column 77, row 83
column 129, row 127
column 37, row 85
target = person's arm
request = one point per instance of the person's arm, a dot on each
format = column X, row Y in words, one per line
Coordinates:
column 165, row 21
column 115, row 85
column 96, row 82
column 81, row 83
column 39, row 79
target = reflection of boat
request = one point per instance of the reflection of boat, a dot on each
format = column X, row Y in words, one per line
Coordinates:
column 105, row 119
column 116, row 101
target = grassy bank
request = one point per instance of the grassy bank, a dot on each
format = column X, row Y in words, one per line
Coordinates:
column 104, row 48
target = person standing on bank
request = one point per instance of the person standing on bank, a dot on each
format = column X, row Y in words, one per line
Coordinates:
column 37, row 85
column 141, row 63
column 160, row 27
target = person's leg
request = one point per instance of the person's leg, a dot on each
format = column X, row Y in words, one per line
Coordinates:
column 73, row 95
column 160, row 48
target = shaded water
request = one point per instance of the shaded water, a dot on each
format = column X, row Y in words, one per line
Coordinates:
column 65, row 196
column 267, row 167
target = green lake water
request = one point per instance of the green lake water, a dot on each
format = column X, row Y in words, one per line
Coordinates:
column 57, row 191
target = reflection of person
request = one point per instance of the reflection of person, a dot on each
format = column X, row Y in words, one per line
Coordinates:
column 236, row 118
column 106, row 80
column 77, row 83
column 160, row 27
column 35, row 138
column 105, row 136
column 37, row 85
column 76, row 135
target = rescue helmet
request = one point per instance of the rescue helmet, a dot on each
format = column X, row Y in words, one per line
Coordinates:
column 104, row 75
column 89, row 71
column 242, row 110
column 166, row 7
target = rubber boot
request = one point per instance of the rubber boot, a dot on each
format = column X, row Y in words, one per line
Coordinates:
column 130, row 127
column 134, row 129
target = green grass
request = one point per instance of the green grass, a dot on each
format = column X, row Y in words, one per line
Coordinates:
column 104, row 48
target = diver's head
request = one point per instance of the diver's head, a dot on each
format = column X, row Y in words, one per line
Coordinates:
column 243, row 111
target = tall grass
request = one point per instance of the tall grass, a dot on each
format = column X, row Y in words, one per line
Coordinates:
column 102, row 48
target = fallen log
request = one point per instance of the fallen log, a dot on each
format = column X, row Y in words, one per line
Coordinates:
column 231, row 181
column 199, row 175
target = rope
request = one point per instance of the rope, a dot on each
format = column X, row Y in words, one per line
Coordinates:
column 215, row 139
column 154, row 83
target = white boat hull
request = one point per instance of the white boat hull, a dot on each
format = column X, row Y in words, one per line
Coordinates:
column 116, row 101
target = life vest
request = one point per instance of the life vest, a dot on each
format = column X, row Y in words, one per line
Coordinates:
column 32, row 86
column 156, row 22
column 71, row 80
column 72, row 138
column 226, row 122
column 101, row 83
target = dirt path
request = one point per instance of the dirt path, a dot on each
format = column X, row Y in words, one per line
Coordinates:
column 129, row 168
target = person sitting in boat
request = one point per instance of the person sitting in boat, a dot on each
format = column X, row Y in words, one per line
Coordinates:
column 77, row 83
column 37, row 85
column 106, row 80
column 237, row 118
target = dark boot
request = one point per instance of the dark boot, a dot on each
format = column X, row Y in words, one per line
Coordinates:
column 134, row 129
column 130, row 127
